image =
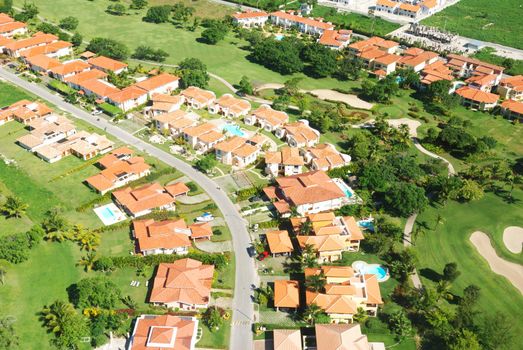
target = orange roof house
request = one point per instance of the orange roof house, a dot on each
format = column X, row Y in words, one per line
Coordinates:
column 4, row 18
column 201, row 230
column 155, row 332
column 236, row 151
column 287, row 339
column 436, row 71
column 24, row 111
column 325, row 157
column 55, row 49
column 162, row 103
column 299, row 134
column 335, row 39
column 230, row 106
column 99, row 88
column 286, row 294
column 512, row 109
column 478, row 99
column 42, row 63
column 287, row 162
column 142, row 200
column 343, row 336
column 128, row 98
column 161, row 237
column 93, row 74
column 198, row 98
column 119, row 174
column 159, row 84
column 511, row 88
column 203, row 137
column 268, row 118
column 184, row 284
column 13, row 49
column 279, row 242
column 70, row 68
column 310, row 192
column 107, row 64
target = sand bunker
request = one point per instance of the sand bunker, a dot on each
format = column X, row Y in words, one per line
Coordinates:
column 513, row 239
column 513, row 272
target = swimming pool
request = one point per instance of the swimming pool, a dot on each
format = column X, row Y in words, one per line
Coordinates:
column 278, row 37
column 344, row 187
column 233, row 129
column 371, row 269
column 367, row 224
column 107, row 214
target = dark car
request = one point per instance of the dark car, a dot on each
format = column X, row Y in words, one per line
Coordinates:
column 254, row 199
column 251, row 251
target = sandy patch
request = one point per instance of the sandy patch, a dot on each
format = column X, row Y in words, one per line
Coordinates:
column 351, row 100
column 513, row 239
column 513, row 272
column 412, row 124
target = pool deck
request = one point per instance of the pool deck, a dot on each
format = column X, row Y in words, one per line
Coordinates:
column 119, row 215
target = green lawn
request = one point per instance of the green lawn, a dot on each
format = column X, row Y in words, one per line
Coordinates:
column 227, row 58
column 10, row 95
column 450, row 242
column 215, row 340
column 494, row 21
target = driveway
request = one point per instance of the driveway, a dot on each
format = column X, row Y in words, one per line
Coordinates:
column 246, row 275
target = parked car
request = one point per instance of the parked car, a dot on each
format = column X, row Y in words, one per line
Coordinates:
column 254, row 199
column 251, row 251
column 263, row 255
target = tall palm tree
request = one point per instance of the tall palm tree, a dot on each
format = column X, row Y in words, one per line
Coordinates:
column 14, row 207
column 308, row 257
column 88, row 261
column 443, row 290
column 87, row 239
column 316, row 283
column 54, row 315
column 56, row 227
column 311, row 312
column 306, row 228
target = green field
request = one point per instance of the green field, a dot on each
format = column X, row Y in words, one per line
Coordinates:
column 226, row 59
column 494, row 21
column 450, row 242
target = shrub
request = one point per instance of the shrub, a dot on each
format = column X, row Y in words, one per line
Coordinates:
column 247, row 193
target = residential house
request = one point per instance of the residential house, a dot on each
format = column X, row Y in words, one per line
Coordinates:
column 429, row 7
column 159, row 84
column 184, row 284
column 434, row 72
column 38, row 39
column 335, row 39
column 511, row 88
column 115, row 156
column 55, row 49
column 143, row 200
column 299, row 134
column 287, row 162
column 303, row 24
column 267, row 118
column 385, row 63
column 107, row 65
column 417, row 59
column 310, row 192
column 387, row 6
column 344, row 294
column 98, row 88
column 250, row 19
column 230, row 106
column 279, row 243
column 201, row 230
column 324, row 157
column 176, row 122
column 24, row 111
column 346, row 233
column 42, row 63
column 343, row 336
column 465, row 67
column 13, row 28
column 162, row 103
column 286, row 294
column 483, row 82
column 4, row 42
column 128, row 98
column 198, row 98
column 477, row 99
column 236, row 151
column 75, row 81
column 375, row 42
column 86, row 145
column 68, row 69
column 119, row 174
column 286, row 339
column 512, row 109
column 203, row 137
column 164, row 332
column 161, row 237
column 45, row 131
column 409, row 10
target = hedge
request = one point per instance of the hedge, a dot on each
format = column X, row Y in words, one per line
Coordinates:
column 247, row 193
column 110, row 109
column 60, row 87
column 137, row 261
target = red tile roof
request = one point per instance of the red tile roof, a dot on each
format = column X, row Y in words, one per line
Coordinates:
column 107, row 63
column 477, row 95
column 156, row 81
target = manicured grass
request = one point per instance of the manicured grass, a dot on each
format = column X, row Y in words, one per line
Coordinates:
column 494, row 21
column 227, row 58
column 356, row 22
column 450, row 243
column 11, row 94
column 218, row 339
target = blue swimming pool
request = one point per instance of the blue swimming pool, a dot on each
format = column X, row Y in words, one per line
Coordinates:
column 377, row 270
column 108, row 214
column 278, row 37
column 233, row 129
column 344, row 187
column 367, row 224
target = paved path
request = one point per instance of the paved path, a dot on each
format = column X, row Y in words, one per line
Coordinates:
column 512, row 271
column 246, row 275
column 407, row 231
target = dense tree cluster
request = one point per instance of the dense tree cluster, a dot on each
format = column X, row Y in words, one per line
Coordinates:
column 193, row 72
column 215, row 30
column 69, row 23
column 147, row 53
column 158, row 14
column 108, row 47
column 282, row 56
column 15, row 248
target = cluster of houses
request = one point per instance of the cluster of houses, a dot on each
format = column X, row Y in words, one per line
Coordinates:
column 51, row 136
column 325, row 31
column 409, row 8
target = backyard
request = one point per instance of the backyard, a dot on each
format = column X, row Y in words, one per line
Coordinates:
column 494, row 21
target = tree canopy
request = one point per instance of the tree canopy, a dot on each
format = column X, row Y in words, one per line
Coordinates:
column 95, row 292
column 108, row 47
column 193, row 72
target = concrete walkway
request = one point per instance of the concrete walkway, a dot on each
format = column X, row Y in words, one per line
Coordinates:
column 511, row 271
column 407, row 242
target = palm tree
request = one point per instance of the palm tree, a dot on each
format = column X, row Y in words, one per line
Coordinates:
column 316, row 283
column 308, row 257
column 56, row 227
column 311, row 312
column 87, row 239
column 88, row 261
column 129, row 302
column 14, row 207
column 361, row 316
column 443, row 290
column 306, row 228
column 54, row 315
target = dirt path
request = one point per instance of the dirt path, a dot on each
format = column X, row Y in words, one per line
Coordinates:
column 513, row 272
column 513, row 239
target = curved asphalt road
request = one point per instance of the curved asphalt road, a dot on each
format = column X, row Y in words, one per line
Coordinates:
column 246, row 277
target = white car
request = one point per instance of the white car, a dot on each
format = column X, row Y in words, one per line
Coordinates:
column 96, row 112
